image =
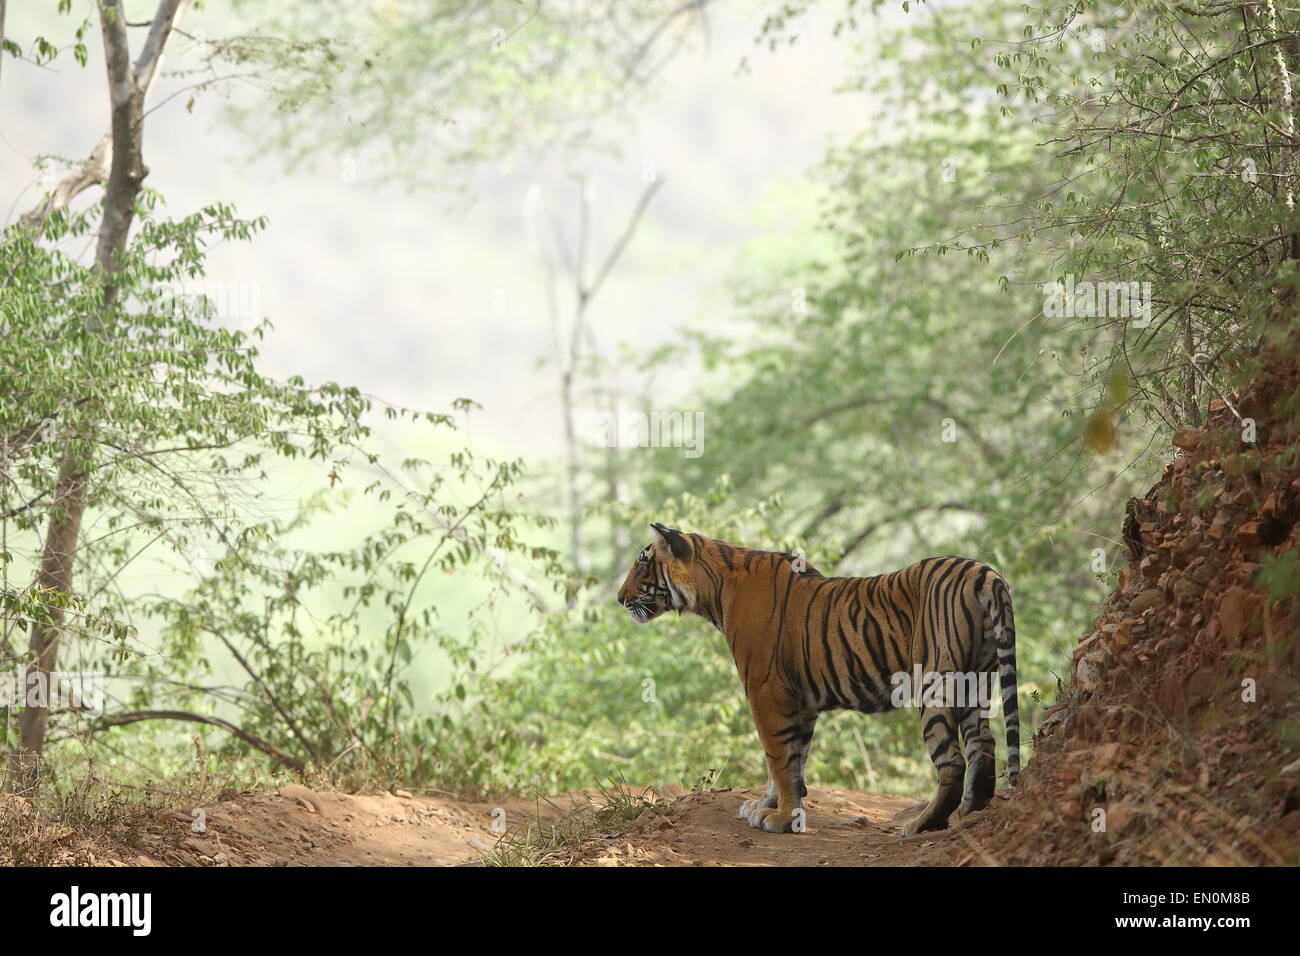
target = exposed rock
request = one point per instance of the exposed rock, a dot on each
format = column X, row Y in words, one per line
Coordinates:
column 1182, row 685
column 308, row 800
column 1088, row 673
column 1146, row 601
column 1237, row 608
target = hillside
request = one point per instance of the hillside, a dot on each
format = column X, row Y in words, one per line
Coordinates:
column 1182, row 722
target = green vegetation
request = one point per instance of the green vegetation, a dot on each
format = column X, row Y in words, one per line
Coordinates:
column 910, row 382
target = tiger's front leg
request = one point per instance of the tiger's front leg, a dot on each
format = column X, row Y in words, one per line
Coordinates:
column 785, row 734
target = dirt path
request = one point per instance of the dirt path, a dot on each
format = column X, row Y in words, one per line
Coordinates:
column 845, row 828
column 298, row 827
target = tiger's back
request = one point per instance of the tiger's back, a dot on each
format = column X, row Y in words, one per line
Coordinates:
column 853, row 635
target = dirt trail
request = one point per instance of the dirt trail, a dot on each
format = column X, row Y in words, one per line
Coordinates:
column 845, row 828
column 299, row 827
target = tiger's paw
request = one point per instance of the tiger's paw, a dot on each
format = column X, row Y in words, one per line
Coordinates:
column 771, row 820
column 922, row 823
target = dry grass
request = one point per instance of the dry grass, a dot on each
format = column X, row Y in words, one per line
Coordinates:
column 537, row 842
column 73, row 826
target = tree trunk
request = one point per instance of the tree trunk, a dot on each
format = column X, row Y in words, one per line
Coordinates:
column 127, row 87
column 55, row 573
column 618, row 538
column 571, row 472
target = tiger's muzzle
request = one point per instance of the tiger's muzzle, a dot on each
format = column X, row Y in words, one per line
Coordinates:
column 646, row 602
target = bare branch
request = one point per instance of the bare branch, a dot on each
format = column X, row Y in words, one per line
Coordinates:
column 615, row 253
column 91, row 171
column 151, row 54
column 854, row 542
column 135, row 716
column 95, row 168
column 691, row 6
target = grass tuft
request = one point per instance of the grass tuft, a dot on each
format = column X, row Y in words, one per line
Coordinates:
column 537, row 842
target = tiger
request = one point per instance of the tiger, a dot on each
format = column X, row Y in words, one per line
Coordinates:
column 804, row 643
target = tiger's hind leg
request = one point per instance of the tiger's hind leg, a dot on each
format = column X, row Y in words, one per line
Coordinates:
column 940, row 730
column 980, row 778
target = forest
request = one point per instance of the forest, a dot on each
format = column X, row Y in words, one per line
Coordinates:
column 350, row 351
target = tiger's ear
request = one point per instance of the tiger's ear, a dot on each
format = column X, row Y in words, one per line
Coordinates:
column 673, row 540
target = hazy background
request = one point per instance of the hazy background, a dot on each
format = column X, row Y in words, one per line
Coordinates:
column 396, row 292
column 420, row 297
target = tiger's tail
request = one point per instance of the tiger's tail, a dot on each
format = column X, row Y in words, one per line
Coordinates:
column 1004, row 637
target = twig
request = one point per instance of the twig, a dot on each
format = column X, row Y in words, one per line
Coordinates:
column 136, row 716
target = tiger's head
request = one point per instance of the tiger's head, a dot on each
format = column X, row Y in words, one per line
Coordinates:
column 661, row 578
